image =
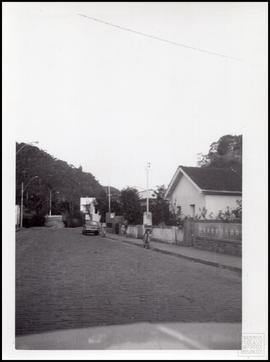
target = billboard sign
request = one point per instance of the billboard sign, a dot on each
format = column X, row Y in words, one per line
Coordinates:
column 147, row 218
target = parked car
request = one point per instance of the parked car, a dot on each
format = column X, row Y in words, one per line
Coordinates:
column 91, row 227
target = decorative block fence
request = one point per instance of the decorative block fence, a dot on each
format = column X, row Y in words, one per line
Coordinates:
column 214, row 235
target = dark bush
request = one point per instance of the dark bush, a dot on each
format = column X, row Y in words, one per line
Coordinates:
column 74, row 220
column 33, row 220
column 27, row 222
column 38, row 220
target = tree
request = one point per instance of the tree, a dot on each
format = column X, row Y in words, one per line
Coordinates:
column 161, row 212
column 131, row 207
column 226, row 152
column 103, row 204
column 71, row 182
column 160, row 207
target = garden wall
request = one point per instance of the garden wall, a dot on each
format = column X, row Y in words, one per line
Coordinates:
column 219, row 236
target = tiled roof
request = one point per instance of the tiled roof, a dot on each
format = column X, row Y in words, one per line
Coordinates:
column 218, row 179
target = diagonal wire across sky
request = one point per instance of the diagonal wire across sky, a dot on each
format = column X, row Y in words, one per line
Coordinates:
column 158, row 38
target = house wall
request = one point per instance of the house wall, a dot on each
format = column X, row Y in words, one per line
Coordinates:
column 185, row 194
column 17, row 220
column 214, row 203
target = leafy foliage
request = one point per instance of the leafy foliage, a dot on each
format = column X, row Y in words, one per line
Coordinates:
column 226, row 152
column 160, row 209
column 103, row 204
column 131, row 206
column 226, row 215
column 66, row 182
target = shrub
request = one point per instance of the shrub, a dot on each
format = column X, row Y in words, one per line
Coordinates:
column 74, row 220
column 38, row 220
column 33, row 220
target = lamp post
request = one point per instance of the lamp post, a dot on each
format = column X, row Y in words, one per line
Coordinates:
column 147, row 186
column 22, row 191
column 50, row 203
column 26, row 144
column 109, row 200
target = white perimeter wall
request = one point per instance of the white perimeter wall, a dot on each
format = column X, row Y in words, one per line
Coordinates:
column 214, row 203
column 17, row 220
column 185, row 194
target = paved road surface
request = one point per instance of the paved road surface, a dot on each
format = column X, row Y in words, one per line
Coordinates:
column 67, row 280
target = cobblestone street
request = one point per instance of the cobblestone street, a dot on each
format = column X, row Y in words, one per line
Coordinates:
column 67, row 280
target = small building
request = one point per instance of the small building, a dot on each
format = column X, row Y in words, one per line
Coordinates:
column 143, row 197
column 88, row 208
column 114, row 222
column 194, row 188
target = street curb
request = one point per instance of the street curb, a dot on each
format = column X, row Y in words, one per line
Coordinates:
column 196, row 260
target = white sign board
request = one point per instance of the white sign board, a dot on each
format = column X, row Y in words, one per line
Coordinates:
column 147, row 218
column 87, row 202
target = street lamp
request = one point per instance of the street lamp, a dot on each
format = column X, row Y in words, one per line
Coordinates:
column 147, row 186
column 26, row 144
column 22, row 191
column 109, row 199
column 50, row 200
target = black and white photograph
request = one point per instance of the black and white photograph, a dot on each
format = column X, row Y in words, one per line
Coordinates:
column 135, row 180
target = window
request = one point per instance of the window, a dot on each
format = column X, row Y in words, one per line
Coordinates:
column 192, row 207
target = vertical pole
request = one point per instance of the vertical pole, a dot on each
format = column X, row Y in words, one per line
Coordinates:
column 109, row 196
column 147, row 187
column 21, row 213
column 50, row 211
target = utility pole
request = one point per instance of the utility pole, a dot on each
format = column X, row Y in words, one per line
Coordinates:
column 50, row 211
column 147, row 186
column 21, row 212
column 109, row 199
column 22, row 191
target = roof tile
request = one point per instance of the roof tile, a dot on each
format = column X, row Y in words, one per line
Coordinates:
column 219, row 179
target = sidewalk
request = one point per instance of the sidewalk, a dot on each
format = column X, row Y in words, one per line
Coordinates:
column 230, row 262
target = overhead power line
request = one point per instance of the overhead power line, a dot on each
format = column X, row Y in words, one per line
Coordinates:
column 158, row 38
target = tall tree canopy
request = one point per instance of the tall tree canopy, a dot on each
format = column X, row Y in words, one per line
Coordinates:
column 131, row 206
column 226, row 152
column 160, row 209
column 66, row 182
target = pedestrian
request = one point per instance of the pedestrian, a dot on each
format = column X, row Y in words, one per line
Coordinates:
column 146, row 238
column 103, row 229
column 126, row 227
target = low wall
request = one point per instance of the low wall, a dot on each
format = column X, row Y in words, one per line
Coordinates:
column 170, row 234
column 132, row 232
column 55, row 221
column 218, row 236
column 17, row 215
column 135, row 231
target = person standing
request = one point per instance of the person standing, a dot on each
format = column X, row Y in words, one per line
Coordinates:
column 103, row 229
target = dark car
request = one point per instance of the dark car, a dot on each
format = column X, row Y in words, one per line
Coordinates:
column 91, row 227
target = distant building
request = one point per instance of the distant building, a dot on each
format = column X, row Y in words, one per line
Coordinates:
column 88, row 207
column 195, row 188
column 143, row 196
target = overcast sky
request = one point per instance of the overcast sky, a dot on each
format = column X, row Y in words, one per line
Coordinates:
column 111, row 100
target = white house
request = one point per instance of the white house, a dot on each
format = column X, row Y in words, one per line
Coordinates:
column 195, row 188
column 87, row 206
